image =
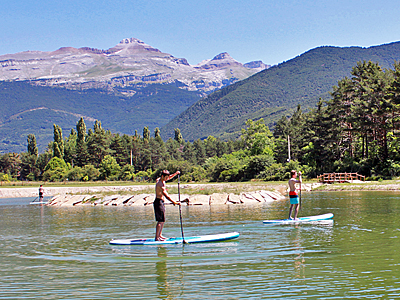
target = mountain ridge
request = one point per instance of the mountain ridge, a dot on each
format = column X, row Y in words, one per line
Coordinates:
column 276, row 91
column 127, row 64
column 28, row 109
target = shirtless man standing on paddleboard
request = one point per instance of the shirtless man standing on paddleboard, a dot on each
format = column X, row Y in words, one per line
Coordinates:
column 159, row 208
column 294, row 197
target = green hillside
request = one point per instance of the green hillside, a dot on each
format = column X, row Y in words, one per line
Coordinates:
column 269, row 94
column 276, row 91
column 29, row 109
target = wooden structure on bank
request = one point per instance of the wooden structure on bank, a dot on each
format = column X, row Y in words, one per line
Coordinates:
column 340, row 177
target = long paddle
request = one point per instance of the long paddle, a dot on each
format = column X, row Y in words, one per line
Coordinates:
column 180, row 210
column 300, row 194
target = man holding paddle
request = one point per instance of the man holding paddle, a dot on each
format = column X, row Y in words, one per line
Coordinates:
column 294, row 197
column 41, row 193
column 159, row 208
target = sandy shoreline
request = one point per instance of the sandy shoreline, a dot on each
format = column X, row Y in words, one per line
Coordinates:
column 53, row 191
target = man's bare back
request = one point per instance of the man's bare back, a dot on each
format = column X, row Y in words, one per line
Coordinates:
column 292, row 184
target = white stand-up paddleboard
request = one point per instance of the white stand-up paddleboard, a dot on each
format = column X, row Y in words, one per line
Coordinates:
column 40, row 202
column 178, row 240
column 301, row 220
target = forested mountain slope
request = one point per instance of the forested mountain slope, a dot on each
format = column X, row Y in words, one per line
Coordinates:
column 276, row 91
column 27, row 109
column 127, row 87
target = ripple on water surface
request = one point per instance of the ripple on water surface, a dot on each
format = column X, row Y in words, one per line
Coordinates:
column 58, row 253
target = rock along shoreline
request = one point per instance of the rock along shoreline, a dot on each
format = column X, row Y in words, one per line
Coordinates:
column 91, row 195
column 147, row 199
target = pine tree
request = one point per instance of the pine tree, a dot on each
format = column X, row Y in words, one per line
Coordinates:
column 281, row 133
column 200, row 151
column 58, row 145
column 157, row 135
column 98, row 144
column 146, row 134
column 179, row 137
column 81, row 146
column 297, row 141
column 70, row 148
column 32, row 146
column 118, row 149
column 189, row 153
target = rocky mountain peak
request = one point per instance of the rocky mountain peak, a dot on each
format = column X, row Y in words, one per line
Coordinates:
column 133, row 45
column 256, row 64
column 131, row 41
column 222, row 60
column 126, row 64
column 224, row 55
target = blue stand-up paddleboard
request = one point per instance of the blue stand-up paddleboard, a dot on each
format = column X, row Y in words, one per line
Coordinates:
column 179, row 240
column 38, row 202
column 301, row 220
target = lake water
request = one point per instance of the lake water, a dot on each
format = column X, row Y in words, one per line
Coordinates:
column 63, row 253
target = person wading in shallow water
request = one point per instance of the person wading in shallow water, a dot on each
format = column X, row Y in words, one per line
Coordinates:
column 294, row 197
column 159, row 208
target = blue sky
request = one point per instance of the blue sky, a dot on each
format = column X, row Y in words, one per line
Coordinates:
column 271, row 31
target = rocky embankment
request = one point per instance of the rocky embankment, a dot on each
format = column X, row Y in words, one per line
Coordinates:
column 147, row 199
column 135, row 195
column 53, row 191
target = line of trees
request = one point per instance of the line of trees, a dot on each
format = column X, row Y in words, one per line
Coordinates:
column 356, row 130
column 98, row 154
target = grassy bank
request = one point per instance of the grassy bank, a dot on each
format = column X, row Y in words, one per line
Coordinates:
column 204, row 188
column 385, row 185
column 200, row 188
column 19, row 184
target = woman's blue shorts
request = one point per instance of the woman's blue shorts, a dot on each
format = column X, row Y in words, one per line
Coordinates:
column 294, row 199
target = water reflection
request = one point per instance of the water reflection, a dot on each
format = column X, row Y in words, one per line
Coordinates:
column 320, row 230
column 162, row 277
column 299, row 260
column 169, row 274
column 42, row 214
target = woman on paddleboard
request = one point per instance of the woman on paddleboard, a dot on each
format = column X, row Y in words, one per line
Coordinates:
column 294, row 197
column 159, row 208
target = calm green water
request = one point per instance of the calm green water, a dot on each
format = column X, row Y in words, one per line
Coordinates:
column 63, row 253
